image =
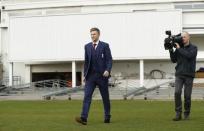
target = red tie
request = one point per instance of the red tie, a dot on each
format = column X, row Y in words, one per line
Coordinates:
column 94, row 45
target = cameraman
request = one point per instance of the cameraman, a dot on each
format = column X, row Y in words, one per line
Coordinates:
column 185, row 57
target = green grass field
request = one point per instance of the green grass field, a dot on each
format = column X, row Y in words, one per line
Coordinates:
column 130, row 115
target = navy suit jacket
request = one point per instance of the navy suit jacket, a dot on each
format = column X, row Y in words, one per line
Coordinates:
column 103, row 54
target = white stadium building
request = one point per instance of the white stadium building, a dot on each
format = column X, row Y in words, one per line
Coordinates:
column 44, row 39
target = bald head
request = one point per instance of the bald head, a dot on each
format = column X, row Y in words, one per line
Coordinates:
column 186, row 38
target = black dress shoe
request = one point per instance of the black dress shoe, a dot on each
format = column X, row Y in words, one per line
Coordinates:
column 107, row 121
column 186, row 117
column 177, row 117
column 81, row 120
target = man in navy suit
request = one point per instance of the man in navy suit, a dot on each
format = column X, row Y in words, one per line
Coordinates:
column 97, row 68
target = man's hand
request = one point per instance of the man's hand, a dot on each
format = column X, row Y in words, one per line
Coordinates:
column 84, row 80
column 177, row 46
column 106, row 74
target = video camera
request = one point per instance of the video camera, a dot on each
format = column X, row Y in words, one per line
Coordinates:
column 170, row 41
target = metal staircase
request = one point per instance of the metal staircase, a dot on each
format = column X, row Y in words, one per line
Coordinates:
column 142, row 90
column 122, row 89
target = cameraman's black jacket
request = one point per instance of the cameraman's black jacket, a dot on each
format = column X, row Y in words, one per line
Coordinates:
column 185, row 57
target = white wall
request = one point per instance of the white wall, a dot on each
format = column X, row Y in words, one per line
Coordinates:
column 129, row 67
column 193, row 18
column 198, row 40
column 62, row 38
column 125, row 68
column 19, row 70
column 61, row 67
column 4, row 50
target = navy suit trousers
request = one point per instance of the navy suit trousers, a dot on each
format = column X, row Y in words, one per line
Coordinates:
column 93, row 80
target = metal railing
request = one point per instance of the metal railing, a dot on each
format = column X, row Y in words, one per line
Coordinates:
column 143, row 90
column 52, row 83
column 119, row 87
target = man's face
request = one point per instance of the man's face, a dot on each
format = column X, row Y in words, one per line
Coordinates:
column 95, row 36
column 186, row 38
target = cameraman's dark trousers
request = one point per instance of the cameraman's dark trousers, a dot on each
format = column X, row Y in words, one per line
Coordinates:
column 185, row 57
column 187, row 83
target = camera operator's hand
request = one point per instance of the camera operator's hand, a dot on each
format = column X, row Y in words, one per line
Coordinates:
column 106, row 74
column 177, row 46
